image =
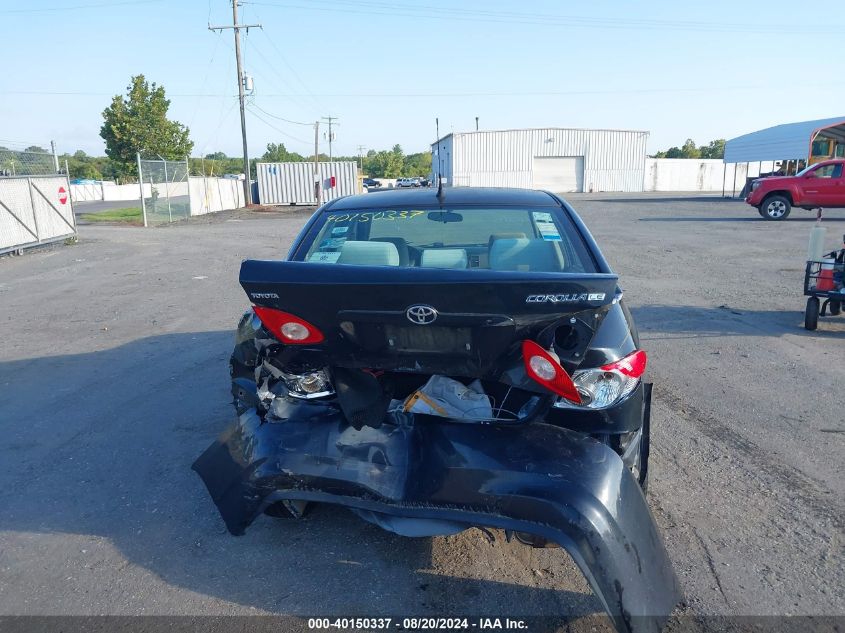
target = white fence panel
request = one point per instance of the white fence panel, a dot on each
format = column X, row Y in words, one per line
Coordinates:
column 293, row 183
column 695, row 174
column 115, row 193
column 86, row 193
column 111, row 192
column 34, row 210
column 170, row 189
column 17, row 218
column 209, row 195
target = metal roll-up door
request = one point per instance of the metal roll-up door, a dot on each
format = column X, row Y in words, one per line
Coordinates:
column 559, row 174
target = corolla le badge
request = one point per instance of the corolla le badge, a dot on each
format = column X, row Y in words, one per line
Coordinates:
column 566, row 298
column 421, row 314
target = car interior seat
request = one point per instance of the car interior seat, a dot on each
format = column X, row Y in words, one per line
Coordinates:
column 443, row 258
column 401, row 247
column 500, row 236
column 364, row 253
column 521, row 253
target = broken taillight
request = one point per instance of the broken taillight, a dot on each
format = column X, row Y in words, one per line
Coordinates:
column 633, row 365
column 288, row 328
column 545, row 369
column 605, row 386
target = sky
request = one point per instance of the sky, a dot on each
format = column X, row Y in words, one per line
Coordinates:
column 387, row 68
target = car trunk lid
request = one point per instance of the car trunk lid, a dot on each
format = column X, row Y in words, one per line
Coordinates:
column 458, row 322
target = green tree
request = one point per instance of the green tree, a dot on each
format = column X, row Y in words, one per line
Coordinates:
column 417, row 164
column 80, row 165
column 385, row 164
column 216, row 156
column 714, row 149
column 672, row 152
column 690, row 149
column 138, row 123
column 279, row 154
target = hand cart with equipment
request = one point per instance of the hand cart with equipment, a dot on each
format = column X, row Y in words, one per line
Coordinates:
column 824, row 285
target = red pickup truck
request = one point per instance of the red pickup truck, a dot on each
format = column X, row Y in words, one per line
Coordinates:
column 820, row 185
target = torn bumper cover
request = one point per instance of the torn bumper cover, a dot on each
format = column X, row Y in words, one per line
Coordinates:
column 535, row 478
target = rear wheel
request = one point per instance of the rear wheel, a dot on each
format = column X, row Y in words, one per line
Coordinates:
column 834, row 307
column 775, row 208
column 811, row 314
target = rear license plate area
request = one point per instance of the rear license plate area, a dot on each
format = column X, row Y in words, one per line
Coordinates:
column 427, row 338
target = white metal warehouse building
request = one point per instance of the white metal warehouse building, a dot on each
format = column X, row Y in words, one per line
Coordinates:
column 560, row 160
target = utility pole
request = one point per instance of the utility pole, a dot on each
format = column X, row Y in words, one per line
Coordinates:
column 56, row 157
column 317, row 162
column 237, row 30
column 329, row 119
column 361, row 149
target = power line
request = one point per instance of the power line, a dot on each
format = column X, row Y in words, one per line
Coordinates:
column 255, row 105
column 281, row 56
column 431, row 95
column 100, row 5
column 509, row 17
column 231, row 100
column 292, row 70
column 223, row 117
column 21, row 143
column 207, row 72
column 77, row 93
column 292, row 97
column 280, row 131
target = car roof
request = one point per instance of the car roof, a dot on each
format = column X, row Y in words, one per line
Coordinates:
column 452, row 196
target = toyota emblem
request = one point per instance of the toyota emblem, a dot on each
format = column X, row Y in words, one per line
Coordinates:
column 421, row 314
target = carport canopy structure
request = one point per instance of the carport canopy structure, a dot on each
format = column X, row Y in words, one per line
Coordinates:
column 790, row 141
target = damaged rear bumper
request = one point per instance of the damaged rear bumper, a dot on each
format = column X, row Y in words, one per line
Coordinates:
column 535, row 478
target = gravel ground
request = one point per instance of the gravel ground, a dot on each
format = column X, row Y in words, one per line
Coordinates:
column 113, row 378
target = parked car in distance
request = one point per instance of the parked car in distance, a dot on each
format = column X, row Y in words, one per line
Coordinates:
column 407, row 182
column 820, row 185
column 370, row 182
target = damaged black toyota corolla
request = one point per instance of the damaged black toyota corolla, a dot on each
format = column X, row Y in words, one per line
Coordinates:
column 435, row 362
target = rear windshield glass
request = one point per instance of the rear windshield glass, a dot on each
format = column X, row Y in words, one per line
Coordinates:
column 513, row 239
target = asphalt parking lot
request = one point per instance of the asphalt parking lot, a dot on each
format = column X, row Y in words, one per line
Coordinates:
column 113, row 378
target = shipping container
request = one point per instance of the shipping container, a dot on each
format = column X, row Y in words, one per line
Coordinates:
column 293, row 183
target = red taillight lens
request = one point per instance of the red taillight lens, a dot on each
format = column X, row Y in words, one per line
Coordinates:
column 288, row 328
column 542, row 368
column 633, row 365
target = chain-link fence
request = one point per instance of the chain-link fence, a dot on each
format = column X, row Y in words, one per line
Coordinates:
column 28, row 161
column 165, row 187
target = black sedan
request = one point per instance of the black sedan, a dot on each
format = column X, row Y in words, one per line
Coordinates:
column 440, row 360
